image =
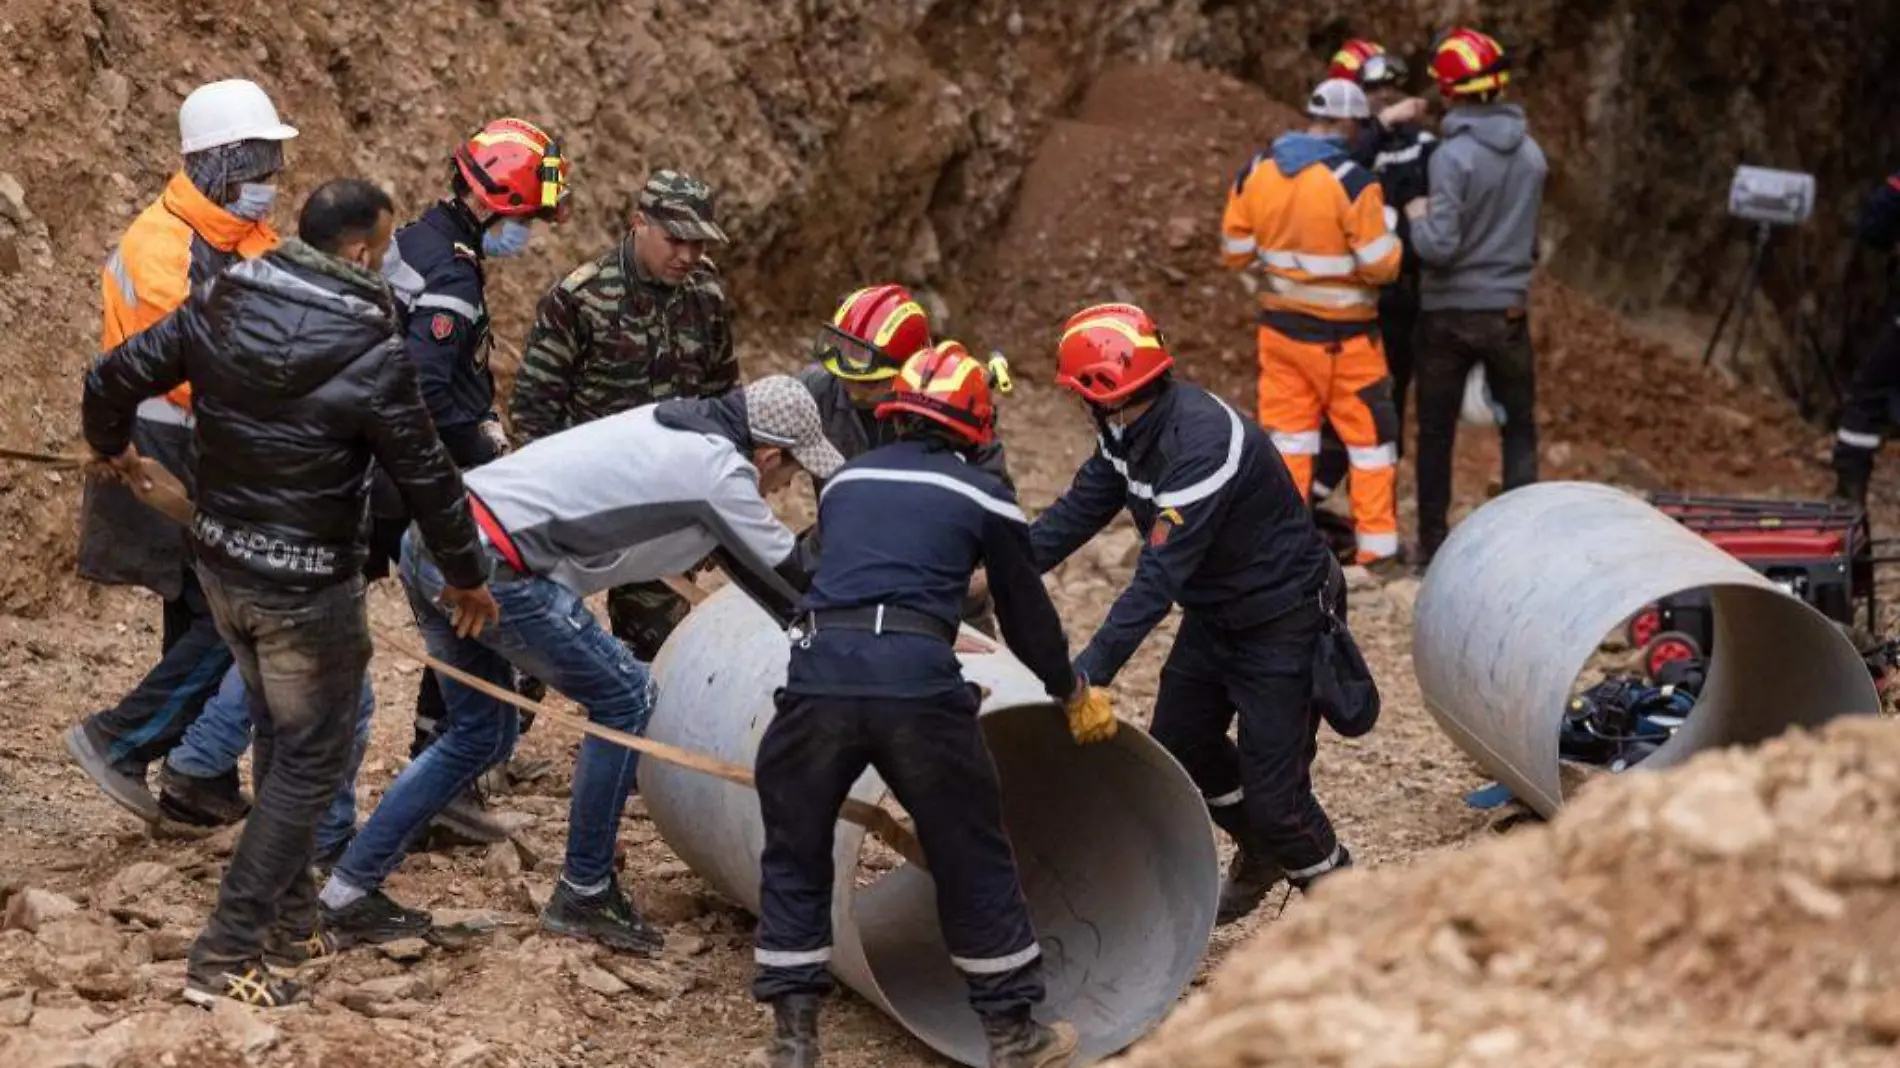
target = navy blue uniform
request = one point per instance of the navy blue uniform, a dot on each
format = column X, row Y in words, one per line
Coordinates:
column 1873, row 404
column 906, row 525
column 1226, row 537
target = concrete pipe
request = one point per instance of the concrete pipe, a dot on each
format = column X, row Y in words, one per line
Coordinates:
column 1112, row 840
column 1524, row 591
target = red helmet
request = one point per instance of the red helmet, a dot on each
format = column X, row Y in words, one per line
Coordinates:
column 947, row 386
column 1467, row 63
column 874, row 331
column 514, row 168
column 1109, row 351
column 1351, row 58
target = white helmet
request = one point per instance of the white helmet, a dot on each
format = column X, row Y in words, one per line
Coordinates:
column 224, row 113
column 1337, row 98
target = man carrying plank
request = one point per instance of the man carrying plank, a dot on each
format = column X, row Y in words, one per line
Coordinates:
column 633, row 497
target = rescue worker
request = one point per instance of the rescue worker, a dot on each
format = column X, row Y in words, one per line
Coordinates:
column 1869, row 410
column 855, row 357
column 299, row 381
column 1227, row 537
column 509, row 177
column 215, row 211
column 1395, row 148
column 874, row 681
column 646, row 321
column 1476, row 236
column 631, row 497
column 1313, row 222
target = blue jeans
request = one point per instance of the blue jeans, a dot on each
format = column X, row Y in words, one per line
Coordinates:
column 547, row 631
column 219, row 736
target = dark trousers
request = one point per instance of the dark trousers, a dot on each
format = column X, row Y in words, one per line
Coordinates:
column 155, row 715
column 1261, row 790
column 1450, row 344
column 643, row 614
column 1398, row 319
column 931, row 754
column 1869, row 412
column 303, row 657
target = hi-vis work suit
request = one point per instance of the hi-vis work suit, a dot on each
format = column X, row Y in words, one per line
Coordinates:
column 1314, row 223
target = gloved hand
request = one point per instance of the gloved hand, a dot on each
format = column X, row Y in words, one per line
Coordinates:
column 1091, row 717
column 497, row 437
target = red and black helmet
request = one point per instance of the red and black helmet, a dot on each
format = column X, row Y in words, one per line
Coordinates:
column 1469, row 63
column 515, row 169
column 949, row 387
column 1350, row 61
column 1109, row 351
column 873, row 332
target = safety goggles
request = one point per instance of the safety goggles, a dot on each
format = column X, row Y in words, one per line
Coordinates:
column 850, row 357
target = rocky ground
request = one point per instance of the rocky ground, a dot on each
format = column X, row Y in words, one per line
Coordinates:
column 1445, row 949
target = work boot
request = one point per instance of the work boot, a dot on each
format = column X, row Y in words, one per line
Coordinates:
column 372, row 919
column 214, row 802
column 467, row 820
column 1305, row 885
column 795, row 1034
column 607, row 917
column 287, row 950
column 1851, row 489
column 124, row 784
column 1252, row 873
column 1018, row 1041
column 248, row 984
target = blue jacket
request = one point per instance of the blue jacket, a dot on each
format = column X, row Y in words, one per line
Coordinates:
column 1880, row 216
column 435, row 268
column 906, row 525
column 1225, row 533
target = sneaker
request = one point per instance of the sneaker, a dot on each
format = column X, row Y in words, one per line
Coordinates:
column 371, row 920
column 465, row 819
column 124, row 788
column 607, row 917
column 288, row 951
column 1249, row 878
column 201, row 802
column 248, row 984
column 1018, row 1041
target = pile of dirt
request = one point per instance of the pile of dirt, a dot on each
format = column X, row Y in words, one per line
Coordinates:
column 1743, row 910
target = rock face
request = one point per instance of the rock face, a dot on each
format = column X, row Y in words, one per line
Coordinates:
column 865, row 138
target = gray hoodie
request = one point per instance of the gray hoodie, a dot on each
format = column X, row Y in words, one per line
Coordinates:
column 1479, row 241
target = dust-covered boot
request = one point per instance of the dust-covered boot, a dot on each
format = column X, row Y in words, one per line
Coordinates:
column 794, row 1037
column 1250, row 875
column 1018, row 1041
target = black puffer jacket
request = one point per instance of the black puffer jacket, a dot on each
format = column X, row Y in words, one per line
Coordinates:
column 298, row 380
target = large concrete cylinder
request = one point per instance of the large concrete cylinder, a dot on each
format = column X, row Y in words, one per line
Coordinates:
column 1112, row 841
column 1525, row 590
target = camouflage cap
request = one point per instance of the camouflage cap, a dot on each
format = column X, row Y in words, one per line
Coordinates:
column 683, row 204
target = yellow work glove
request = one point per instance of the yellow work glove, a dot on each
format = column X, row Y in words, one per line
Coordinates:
column 1091, row 718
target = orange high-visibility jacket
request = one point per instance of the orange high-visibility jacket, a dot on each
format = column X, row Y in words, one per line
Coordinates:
column 178, row 242
column 1320, row 237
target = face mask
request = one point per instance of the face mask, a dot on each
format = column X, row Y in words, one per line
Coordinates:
column 253, row 201
column 508, row 239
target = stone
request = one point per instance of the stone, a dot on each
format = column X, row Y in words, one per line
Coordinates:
column 1358, row 578
column 600, row 981
column 105, row 986
column 407, row 986
column 1184, row 231
column 80, row 936
column 1718, row 814
column 503, row 860
column 1880, row 1016
column 137, row 881
column 32, row 907
column 651, row 980
column 244, row 1027
column 405, row 950
column 169, row 943
column 17, row 1009
column 12, row 199
column 667, row 906
column 467, row 1054
column 1402, row 594
column 686, row 945
column 1812, row 898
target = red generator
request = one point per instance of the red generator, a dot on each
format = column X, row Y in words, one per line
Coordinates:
column 1819, row 551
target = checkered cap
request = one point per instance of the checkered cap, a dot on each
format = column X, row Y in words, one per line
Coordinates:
column 683, row 204
column 780, row 411
column 1337, row 98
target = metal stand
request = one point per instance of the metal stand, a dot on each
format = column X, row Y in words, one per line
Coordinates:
column 1797, row 379
column 1744, row 294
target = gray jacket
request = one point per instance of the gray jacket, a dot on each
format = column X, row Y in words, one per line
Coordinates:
column 1478, row 242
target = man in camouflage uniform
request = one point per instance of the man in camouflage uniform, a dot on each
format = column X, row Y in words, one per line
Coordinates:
column 646, row 321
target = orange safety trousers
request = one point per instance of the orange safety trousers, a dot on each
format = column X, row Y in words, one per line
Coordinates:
column 1346, row 382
